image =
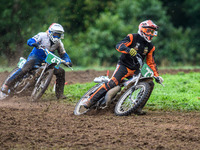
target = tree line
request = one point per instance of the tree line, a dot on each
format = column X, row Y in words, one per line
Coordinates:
column 94, row 27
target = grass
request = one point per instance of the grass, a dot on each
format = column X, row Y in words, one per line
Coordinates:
column 181, row 92
column 98, row 68
column 179, row 67
column 4, row 68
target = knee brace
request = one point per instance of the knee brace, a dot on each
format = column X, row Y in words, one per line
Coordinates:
column 112, row 83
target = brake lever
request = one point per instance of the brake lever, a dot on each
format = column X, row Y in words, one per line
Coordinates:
column 70, row 67
column 162, row 84
column 159, row 82
column 64, row 62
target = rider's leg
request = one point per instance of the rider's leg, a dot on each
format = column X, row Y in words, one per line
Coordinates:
column 60, row 82
column 31, row 61
column 119, row 74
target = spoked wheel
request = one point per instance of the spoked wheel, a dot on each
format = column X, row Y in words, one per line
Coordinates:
column 131, row 101
column 79, row 108
column 41, row 87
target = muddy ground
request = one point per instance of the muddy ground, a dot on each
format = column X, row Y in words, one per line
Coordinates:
column 52, row 125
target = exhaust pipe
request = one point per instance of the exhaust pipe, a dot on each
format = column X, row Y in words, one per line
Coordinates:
column 111, row 93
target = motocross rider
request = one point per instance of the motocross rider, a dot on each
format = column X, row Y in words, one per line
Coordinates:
column 51, row 39
column 130, row 46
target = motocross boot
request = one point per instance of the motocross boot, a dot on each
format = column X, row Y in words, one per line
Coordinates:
column 61, row 97
column 5, row 89
column 60, row 83
column 87, row 103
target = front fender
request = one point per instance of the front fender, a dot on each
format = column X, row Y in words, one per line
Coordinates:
column 51, row 66
column 146, row 79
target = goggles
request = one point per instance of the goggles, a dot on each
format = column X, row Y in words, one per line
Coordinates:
column 57, row 35
column 151, row 31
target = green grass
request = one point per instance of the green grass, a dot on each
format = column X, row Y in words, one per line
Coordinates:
column 98, row 68
column 75, row 68
column 181, row 92
column 4, row 68
column 179, row 67
column 73, row 92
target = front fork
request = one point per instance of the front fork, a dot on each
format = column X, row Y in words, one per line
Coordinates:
column 38, row 80
column 135, row 84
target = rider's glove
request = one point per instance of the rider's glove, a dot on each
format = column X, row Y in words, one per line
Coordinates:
column 132, row 52
column 36, row 45
column 68, row 64
column 159, row 79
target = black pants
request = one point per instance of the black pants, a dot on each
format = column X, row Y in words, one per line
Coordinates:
column 60, row 81
column 60, row 75
column 120, row 73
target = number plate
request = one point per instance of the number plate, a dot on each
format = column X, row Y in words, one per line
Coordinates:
column 51, row 58
column 147, row 71
column 21, row 62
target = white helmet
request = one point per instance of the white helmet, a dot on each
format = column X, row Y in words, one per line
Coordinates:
column 56, row 32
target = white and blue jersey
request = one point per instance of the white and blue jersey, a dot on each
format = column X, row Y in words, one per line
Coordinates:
column 43, row 39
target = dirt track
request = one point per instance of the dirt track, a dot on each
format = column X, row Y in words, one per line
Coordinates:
column 52, row 125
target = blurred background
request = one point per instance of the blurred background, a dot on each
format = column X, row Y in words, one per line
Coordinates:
column 94, row 27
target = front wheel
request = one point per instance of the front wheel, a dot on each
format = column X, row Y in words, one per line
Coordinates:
column 41, row 87
column 131, row 101
column 79, row 108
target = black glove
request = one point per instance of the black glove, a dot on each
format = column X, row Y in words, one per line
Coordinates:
column 35, row 45
column 159, row 79
column 68, row 64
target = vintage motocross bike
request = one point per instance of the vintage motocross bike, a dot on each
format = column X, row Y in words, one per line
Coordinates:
column 37, row 80
column 130, row 96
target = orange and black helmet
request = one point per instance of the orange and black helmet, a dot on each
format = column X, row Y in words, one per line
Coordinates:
column 147, row 29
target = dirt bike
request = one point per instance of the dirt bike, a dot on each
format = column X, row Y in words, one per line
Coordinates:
column 130, row 96
column 37, row 80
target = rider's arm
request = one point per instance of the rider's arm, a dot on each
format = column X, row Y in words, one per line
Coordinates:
column 31, row 41
column 63, row 54
column 150, row 61
column 65, row 57
column 122, row 46
column 34, row 40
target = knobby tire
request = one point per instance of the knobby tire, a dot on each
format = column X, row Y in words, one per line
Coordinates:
column 119, row 110
column 39, row 90
column 79, row 106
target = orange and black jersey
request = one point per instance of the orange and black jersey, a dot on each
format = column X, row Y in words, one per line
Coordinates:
column 144, row 48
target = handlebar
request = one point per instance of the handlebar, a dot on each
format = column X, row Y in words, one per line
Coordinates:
column 156, row 78
column 47, row 51
column 139, row 59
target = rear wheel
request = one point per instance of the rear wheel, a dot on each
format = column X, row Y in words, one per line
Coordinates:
column 130, row 101
column 79, row 108
column 41, row 87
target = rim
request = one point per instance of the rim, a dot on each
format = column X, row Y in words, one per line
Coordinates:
column 128, row 103
column 80, row 108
